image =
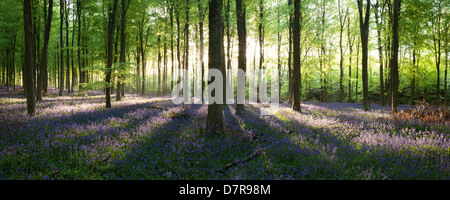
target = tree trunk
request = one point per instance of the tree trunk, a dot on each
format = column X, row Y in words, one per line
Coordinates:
column 186, row 32
column 297, row 71
column 364, row 26
column 61, row 46
column 159, row 65
column 437, row 50
column 28, row 63
column 111, row 26
column 82, row 74
column 66, row 10
column 242, row 58
column 395, row 44
column 122, row 61
column 350, row 47
column 214, row 120
column 43, row 62
column 380, row 54
column 342, row 19
column 202, row 51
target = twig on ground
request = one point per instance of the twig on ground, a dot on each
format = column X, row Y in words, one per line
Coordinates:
column 246, row 159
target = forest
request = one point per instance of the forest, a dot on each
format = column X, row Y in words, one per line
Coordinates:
column 360, row 86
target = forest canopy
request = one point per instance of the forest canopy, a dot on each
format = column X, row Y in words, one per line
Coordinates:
column 150, row 39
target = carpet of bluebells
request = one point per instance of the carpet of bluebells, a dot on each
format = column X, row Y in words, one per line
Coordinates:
column 75, row 137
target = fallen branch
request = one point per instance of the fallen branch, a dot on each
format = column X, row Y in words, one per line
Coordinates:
column 237, row 162
column 157, row 107
column 171, row 169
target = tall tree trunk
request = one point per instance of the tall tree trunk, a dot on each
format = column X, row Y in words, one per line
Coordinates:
column 164, row 85
column 202, row 51
column 74, row 70
column 242, row 58
column 364, row 27
column 437, row 50
column 138, row 63
column 159, row 65
column 67, row 11
column 214, row 119
column 61, row 46
column 291, row 79
column 28, row 64
column 342, row 18
column 123, row 41
column 43, row 62
column 82, row 73
column 413, row 81
column 350, row 47
column 297, row 71
column 380, row 53
column 111, row 25
column 172, row 83
column 186, row 32
column 395, row 44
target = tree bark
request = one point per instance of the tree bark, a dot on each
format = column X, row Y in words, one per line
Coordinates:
column 395, row 44
column 380, row 53
column 364, row 27
column 242, row 57
column 201, row 16
column 297, row 71
column 44, row 54
column 61, row 46
column 123, row 41
column 214, row 120
column 111, row 26
column 66, row 10
column 28, row 63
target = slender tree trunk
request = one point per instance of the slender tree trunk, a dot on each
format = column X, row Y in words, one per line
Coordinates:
column 242, row 58
column 122, row 60
column 159, row 65
column 350, row 47
column 28, row 64
column 111, row 25
column 172, row 83
column 342, row 18
column 395, row 44
column 214, row 119
column 74, row 70
column 380, row 54
column 413, row 81
column 164, row 85
column 82, row 74
column 297, row 71
column 202, row 51
column 138, row 64
column 291, row 79
column 364, row 26
column 43, row 62
column 437, row 50
column 61, row 46
column 66, row 10
column 357, row 70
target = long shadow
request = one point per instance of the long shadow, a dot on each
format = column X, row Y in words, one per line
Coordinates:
column 159, row 150
column 95, row 145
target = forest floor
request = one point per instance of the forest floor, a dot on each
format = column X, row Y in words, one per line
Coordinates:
column 149, row 137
